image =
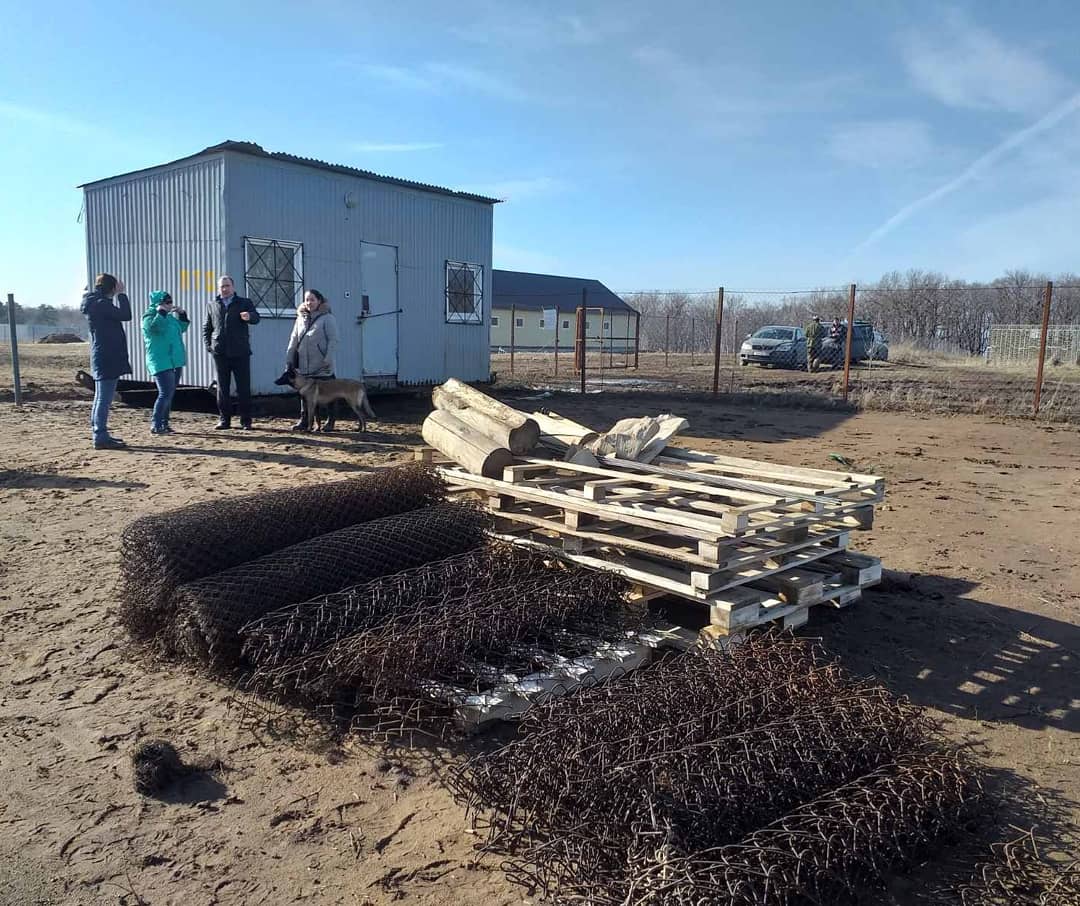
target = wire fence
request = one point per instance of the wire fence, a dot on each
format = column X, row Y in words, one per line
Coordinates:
column 909, row 348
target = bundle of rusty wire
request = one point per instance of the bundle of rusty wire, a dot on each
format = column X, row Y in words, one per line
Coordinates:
column 458, row 625
column 160, row 552
column 828, row 850
column 1024, row 871
column 693, row 754
column 302, row 629
column 210, row 612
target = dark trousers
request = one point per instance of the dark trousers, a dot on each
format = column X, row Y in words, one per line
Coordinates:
column 230, row 368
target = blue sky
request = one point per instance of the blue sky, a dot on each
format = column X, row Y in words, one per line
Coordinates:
column 653, row 146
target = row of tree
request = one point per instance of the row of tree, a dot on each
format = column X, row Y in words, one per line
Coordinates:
column 43, row 314
column 926, row 308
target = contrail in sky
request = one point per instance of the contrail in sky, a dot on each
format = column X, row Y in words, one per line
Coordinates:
column 973, row 170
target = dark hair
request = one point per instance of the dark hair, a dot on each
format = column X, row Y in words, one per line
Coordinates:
column 317, row 295
column 106, row 283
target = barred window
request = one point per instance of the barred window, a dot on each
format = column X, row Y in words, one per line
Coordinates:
column 464, row 293
column 274, row 275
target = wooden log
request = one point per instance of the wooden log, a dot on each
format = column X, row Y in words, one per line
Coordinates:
column 474, row 451
column 561, row 432
column 522, row 432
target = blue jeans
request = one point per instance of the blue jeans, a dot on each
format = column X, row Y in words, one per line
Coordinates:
column 166, row 384
column 104, row 391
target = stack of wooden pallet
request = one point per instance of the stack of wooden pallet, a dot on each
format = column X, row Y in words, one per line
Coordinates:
column 748, row 541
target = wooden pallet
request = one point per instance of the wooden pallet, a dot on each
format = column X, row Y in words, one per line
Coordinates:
column 835, row 581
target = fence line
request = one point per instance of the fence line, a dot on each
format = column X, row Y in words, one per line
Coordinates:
column 33, row 332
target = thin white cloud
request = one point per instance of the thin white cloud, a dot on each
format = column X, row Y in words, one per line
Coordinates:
column 976, row 169
column 519, row 189
column 476, row 80
column 503, row 25
column 394, row 147
column 882, row 144
column 399, row 75
column 439, row 77
column 966, row 66
column 731, row 90
column 46, row 119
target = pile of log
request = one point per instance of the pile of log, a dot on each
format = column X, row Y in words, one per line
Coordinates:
column 478, row 432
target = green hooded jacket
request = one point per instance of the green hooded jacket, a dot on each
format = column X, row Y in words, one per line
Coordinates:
column 163, row 337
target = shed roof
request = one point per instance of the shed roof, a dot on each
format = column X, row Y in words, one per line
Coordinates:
column 255, row 150
column 539, row 291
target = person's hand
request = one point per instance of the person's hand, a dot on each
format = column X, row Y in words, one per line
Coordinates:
column 180, row 313
column 120, row 288
column 245, row 316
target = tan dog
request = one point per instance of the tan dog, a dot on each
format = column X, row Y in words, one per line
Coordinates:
column 328, row 390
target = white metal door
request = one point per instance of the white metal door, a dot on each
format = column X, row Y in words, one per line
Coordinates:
column 379, row 309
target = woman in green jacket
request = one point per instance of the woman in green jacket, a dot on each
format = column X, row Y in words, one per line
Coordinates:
column 163, row 336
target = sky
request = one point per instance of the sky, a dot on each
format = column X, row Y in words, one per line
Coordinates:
column 754, row 145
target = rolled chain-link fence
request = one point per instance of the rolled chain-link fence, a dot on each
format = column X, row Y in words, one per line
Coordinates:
column 160, row 552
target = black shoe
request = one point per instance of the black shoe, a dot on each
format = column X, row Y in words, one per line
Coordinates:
column 245, row 426
column 110, row 443
column 300, row 426
column 223, row 425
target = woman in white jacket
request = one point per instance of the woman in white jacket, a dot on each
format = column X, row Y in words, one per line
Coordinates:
column 312, row 346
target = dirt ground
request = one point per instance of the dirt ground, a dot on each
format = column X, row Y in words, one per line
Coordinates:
column 986, row 633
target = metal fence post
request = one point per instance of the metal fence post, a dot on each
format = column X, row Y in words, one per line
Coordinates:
column 579, row 351
column 1042, row 343
column 637, row 338
column 513, row 324
column 558, row 317
column 15, row 348
column 850, row 331
column 716, row 340
column 667, row 337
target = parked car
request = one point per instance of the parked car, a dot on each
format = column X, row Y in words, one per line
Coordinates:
column 862, row 341
column 777, row 345
column 879, row 351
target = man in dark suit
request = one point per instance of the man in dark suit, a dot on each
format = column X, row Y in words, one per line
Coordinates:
column 227, row 340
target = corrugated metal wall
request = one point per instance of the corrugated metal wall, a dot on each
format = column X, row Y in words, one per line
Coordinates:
column 162, row 230
column 278, row 200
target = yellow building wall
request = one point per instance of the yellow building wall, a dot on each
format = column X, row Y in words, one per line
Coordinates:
column 529, row 335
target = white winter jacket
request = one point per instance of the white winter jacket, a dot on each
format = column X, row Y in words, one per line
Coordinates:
column 313, row 342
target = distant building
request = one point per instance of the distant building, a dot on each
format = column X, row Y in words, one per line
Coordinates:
column 406, row 266
column 541, row 307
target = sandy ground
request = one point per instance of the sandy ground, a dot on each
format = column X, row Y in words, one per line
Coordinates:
column 986, row 634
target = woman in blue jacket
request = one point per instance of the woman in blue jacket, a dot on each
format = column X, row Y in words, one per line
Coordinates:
column 108, row 351
column 163, row 337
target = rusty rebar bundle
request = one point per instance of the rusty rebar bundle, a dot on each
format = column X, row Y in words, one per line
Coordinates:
column 435, row 633
column 162, row 551
column 210, row 612
column 828, row 850
column 694, row 754
column 1024, row 871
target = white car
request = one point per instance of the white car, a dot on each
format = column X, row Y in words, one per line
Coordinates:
column 777, row 345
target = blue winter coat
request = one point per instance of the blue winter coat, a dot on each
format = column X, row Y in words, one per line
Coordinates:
column 108, row 342
column 163, row 338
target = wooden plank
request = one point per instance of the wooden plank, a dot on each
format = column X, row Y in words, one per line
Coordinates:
column 720, row 480
column 663, row 518
column 686, row 453
column 858, row 569
column 626, row 538
column 708, row 489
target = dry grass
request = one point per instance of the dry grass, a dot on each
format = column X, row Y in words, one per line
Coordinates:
column 920, row 381
column 47, row 370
